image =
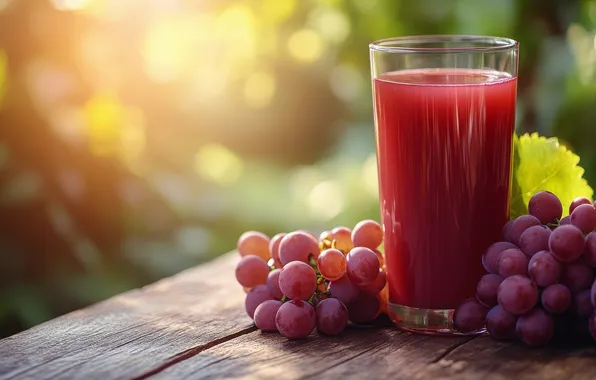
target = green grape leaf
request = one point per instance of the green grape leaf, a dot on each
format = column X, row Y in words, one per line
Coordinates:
column 542, row 163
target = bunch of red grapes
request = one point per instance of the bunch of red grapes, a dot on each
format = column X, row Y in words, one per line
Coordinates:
column 296, row 282
column 540, row 282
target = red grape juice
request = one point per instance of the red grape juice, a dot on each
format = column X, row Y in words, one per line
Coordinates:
column 444, row 143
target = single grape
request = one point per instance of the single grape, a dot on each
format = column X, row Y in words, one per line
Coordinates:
column 511, row 262
column 593, row 294
column 590, row 249
column 534, row 239
column 265, row 315
column 274, row 248
column 577, row 276
column 295, row 319
column 545, row 206
column 486, row 291
column 520, row 225
column 251, row 270
column 491, row 255
column 341, row 238
column 297, row 280
column 332, row 316
column 566, row 220
column 517, row 294
column 332, row 264
column 578, row 202
column 535, row 328
column 582, row 304
column 566, row 243
column 363, row 266
column 254, row 243
column 470, row 315
column 297, row 246
column 377, row 285
column 556, row 298
column 344, row 290
column 255, row 297
column 364, row 309
column 501, row 324
column 367, row 233
column 584, row 218
column 544, row 269
column 507, row 232
column 273, row 284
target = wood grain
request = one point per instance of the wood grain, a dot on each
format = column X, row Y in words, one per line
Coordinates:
column 358, row 353
column 193, row 325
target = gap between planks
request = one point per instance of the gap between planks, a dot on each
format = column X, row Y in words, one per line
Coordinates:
column 187, row 354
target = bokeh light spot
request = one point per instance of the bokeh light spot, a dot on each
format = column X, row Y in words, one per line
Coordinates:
column 104, row 115
column 332, row 24
column 218, row 164
column 259, row 89
column 305, row 45
column 166, row 50
column 326, row 200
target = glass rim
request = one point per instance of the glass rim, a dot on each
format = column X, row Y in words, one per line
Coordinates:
column 415, row 44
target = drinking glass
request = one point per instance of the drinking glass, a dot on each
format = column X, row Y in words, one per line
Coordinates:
column 444, row 110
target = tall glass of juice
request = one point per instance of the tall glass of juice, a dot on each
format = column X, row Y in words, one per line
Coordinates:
column 444, row 120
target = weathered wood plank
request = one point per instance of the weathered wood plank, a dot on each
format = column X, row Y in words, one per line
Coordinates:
column 358, row 353
column 385, row 353
column 193, row 326
column 129, row 334
column 485, row 358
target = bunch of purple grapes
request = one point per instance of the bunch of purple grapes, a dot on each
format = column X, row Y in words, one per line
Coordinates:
column 296, row 282
column 540, row 282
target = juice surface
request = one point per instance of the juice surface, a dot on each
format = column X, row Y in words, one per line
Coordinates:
column 444, row 143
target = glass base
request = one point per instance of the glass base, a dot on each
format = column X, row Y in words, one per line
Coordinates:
column 426, row 321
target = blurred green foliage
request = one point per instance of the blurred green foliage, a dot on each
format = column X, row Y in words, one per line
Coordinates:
column 138, row 138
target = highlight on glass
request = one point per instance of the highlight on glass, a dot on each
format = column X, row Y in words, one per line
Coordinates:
column 444, row 110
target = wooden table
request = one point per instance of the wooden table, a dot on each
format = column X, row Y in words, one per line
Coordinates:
column 193, row 325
